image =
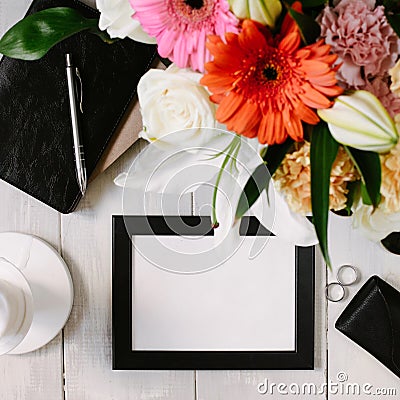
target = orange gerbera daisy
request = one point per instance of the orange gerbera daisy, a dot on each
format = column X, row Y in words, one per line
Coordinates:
column 266, row 86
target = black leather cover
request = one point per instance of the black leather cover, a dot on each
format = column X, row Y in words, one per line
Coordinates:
column 36, row 150
column 372, row 320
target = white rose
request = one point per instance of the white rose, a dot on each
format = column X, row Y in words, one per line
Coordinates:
column 116, row 18
column 173, row 100
column 375, row 225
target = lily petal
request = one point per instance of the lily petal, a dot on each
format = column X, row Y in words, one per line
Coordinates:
column 359, row 120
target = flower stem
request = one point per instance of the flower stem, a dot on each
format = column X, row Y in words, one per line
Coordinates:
column 231, row 153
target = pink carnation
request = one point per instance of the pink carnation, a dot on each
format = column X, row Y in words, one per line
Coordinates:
column 381, row 89
column 181, row 27
column 362, row 37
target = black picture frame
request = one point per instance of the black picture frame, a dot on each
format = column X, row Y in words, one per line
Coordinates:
column 124, row 358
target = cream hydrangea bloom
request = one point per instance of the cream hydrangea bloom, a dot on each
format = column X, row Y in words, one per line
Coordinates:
column 390, row 188
column 293, row 179
column 395, row 77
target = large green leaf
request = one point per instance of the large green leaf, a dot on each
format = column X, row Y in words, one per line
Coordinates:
column 391, row 6
column 392, row 12
column 258, row 181
column 309, row 29
column 324, row 150
column 394, row 21
column 369, row 166
column 261, row 177
column 35, row 35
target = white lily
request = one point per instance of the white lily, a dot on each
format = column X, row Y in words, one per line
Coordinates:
column 180, row 170
column 375, row 224
column 264, row 11
column 360, row 120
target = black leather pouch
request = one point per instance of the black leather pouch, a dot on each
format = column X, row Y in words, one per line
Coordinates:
column 36, row 147
column 372, row 320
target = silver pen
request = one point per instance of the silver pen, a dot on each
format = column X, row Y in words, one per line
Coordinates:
column 72, row 74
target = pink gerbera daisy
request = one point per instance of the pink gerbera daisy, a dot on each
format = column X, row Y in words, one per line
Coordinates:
column 181, row 27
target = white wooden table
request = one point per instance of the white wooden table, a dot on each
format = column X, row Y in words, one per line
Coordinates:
column 77, row 364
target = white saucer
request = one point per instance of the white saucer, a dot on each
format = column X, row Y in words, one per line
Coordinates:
column 50, row 283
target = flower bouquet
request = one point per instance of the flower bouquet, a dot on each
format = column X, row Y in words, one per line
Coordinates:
column 315, row 84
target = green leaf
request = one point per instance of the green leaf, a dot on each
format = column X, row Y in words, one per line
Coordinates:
column 32, row 37
column 324, row 150
column 312, row 3
column 390, row 5
column 365, row 196
column 275, row 154
column 368, row 165
column 394, row 21
column 352, row 195
column 103, row 35
column 261, row 177
column 258, row 181
column 309, row 29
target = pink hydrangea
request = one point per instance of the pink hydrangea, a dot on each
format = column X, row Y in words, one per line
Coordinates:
column 362, row 37
column 181, row 27
column 381, row 89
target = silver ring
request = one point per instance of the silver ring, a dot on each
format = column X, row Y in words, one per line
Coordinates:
column 328, row 292
column 341, row 270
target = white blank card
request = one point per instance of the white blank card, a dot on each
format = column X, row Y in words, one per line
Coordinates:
column 244, row 304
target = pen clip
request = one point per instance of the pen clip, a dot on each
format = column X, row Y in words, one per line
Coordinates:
column 80, row 89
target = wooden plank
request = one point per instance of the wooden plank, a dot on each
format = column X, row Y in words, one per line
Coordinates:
column 244, row 384
column 37, row 375
column 349, row 247
column 86, row 243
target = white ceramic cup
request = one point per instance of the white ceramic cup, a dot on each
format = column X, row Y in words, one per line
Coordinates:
column 16, row 306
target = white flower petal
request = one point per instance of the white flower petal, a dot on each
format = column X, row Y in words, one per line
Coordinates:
column 276, row 216
column 359, row 120
column 375, row 225
column 264, row 11
column 359, row 140
column 173, row 100
column 116, row 18
column 372, row 109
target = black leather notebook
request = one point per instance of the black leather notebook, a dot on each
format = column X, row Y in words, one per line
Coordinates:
column 36, row 144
